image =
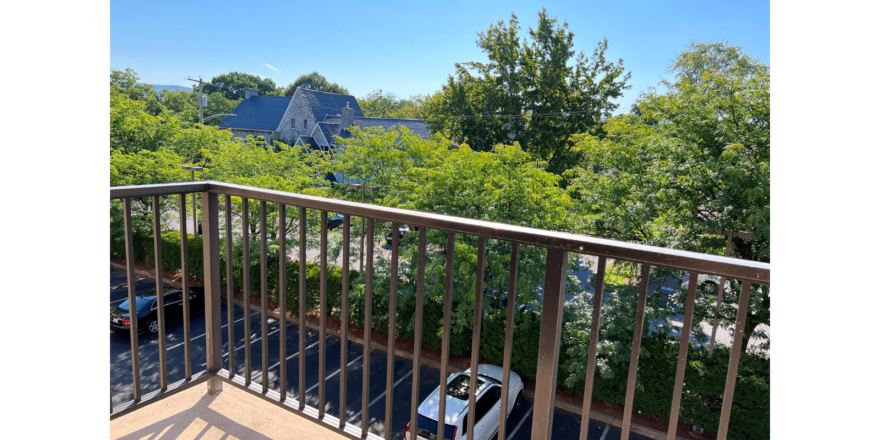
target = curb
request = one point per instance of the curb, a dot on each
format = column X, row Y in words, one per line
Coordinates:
column 530, row 395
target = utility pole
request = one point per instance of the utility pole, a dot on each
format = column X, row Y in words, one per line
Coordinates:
column 729, row 234
column 202, row 101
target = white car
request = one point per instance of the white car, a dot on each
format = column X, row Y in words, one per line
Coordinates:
column 457, row 394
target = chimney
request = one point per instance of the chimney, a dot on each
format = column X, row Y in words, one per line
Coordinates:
column 347, row 117
column 249, row 92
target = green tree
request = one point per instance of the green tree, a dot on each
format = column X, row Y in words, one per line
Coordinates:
column 504, row 185
column 182, row 104
column 232, row 85
column 314, row 81
column 691, row 161
column 126, row 83
column 218, row 104
column 534, row 90
column 379, row 104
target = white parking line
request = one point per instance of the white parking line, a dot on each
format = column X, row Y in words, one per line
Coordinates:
column 604, row 433
column 334, row 374
column 381, row 396
column 199, row 336
column 121, row 299
column 513, row 433
column 288, row 358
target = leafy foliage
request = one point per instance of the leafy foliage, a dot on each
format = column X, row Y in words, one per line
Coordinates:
column 534, row 91
column 313, row 81
column 379, row 104
column 232, row 85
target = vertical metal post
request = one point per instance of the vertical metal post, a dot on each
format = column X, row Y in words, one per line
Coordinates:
column 282, row 299
column 682, row 356
column 444, row 344
column 160, row 293
column 392, row 323
column 733, row 366
column 594, row 343
column 264, row 298
column 230, row 307
column 211, row 246
column 417, row 337
column 303, row 225
column 634, row 355
column 549, row 340
column 322, row 321
column 132, row 300
column 184, row 278
column 720, row 297
column 508, row 339
column 195, row 218
column 368, row 329
column 246, row 279
column 475, row 338
column 343, row 337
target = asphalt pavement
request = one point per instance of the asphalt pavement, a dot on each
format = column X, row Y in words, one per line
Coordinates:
column 565, row 425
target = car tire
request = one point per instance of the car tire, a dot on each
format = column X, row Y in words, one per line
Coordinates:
column 153, row 327
column 710, row 287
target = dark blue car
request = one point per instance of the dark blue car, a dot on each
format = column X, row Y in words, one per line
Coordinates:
column 146, row 305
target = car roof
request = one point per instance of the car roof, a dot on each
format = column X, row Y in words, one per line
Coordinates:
column 455, row 408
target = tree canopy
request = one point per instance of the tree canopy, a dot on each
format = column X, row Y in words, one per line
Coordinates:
column 313, row 81
column 232, row 85
column 534, row 90
column 380, row 104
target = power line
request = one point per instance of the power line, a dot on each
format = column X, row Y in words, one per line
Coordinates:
column 519, row 116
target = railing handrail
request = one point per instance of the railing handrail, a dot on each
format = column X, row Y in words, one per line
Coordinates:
column 731, row 268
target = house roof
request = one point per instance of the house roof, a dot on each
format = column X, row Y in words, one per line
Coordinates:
column 258, row 113
column 306, row 140
column 418, row 126
column 328, row 130
column 324, row 103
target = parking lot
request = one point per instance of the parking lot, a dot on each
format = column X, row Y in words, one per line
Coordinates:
column 565, row 426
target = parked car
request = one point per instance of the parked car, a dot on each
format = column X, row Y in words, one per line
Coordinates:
column 334, row 221
column 146, row 306
column 402, row 229
column 487, row 412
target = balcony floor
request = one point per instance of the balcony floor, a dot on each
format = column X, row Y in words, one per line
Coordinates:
column 231, row 414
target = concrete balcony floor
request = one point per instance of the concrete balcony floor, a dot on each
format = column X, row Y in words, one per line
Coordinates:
column 230, row 414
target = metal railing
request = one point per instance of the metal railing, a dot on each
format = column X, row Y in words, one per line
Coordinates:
column 558, row 245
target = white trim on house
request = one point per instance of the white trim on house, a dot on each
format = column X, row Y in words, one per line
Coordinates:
column 320, row 132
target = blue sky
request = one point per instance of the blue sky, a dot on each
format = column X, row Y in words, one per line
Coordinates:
column 405, row 47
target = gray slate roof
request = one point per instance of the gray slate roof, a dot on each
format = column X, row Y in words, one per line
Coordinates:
column 323, row 103
column 258, row 113
column 329, row 130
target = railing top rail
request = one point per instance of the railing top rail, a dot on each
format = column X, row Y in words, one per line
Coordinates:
column 639, row 253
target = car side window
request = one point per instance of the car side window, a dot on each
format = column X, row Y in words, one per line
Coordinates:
column 155, row 305
column 173, row 298
column 487, row 401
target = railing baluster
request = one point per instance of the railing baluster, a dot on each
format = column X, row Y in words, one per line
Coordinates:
column 211, row 247
column 230, row 306
column 720, row 298
column 303, row 224
column 634, row 355
column 549, row 341
column 508, row 339
column 475, row 339
column 733, row 366
column 132, row 316
column 160, row 293
column 282, row 299
column 264, row 298
column 417, row 336
column 110, row 388
column 368, row 329
column 322, row 320
column 682, row 355
column 594, row 342
column 184, row 279
column 444, row 344
column 392, row 322
column 246, row 279
column 343, row 339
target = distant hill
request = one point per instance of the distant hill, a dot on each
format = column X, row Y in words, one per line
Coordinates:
column 158, row 87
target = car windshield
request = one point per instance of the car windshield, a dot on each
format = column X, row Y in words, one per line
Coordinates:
column 460, row 386
column 141, row 302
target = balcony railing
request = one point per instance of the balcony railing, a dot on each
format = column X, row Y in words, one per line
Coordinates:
column 558, row 245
